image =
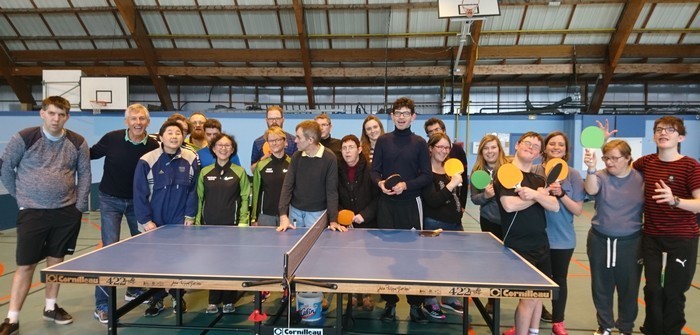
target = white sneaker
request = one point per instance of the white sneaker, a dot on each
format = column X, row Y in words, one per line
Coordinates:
column 603, row 331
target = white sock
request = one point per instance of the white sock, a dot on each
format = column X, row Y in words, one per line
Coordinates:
column 533, row 331
column 50, row 303
column 13, row 316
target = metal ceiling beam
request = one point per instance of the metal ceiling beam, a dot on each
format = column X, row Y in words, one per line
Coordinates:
column 304, row 50
column 21, row 89
column 471, row 62
column 358, row 55
column 137, row 28
column 617, row 45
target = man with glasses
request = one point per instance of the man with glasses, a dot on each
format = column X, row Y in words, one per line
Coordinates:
column 670, row 231
column 273, row 117
column 404, row 153
column 334, row 144
column 524, row 224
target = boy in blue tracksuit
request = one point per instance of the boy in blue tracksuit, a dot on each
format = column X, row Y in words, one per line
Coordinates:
column 165, row 190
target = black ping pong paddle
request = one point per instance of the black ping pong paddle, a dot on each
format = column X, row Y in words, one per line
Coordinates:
column 553, row 174
column 392, row 180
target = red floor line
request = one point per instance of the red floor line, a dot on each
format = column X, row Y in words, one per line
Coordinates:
column 7, row 297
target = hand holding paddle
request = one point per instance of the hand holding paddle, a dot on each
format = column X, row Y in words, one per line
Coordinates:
column 390, row 185
column 590, row 159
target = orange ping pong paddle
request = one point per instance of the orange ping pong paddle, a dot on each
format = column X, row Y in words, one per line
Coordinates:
column 266, row 148
column 509, row 176
column 559, row 174
column 345, row 217
column 453, row 166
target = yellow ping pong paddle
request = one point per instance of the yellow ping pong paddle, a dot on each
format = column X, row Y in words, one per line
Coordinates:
column 548, row 169
column 266, row 148
column 345, row 217
column 453, row 166
column 509, row 176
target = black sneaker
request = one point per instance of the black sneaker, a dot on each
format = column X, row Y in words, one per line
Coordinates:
column 58, row 315
column 434, row 311
column 417, row 314
column 184, row 306
column 389, row 314
column 546, row 315
column 8, row 328
column 154, row 308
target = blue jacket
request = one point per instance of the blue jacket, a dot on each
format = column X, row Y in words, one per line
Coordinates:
column 165, row 189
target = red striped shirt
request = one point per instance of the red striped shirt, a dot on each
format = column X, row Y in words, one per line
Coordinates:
column 682, row 176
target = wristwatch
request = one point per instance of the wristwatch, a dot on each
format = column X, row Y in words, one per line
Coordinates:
column 676, row 201
column 591, row 172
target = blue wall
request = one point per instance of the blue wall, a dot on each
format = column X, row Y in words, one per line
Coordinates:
column 248, row 126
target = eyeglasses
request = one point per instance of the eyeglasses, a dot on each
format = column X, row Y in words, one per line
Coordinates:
column 531, row 145
column 223, row 146
column 277, row 140
column 348, row 148
column 611, row 158
column 442, row 147
column 400, row 114
column 274, row 119
column 669, row 130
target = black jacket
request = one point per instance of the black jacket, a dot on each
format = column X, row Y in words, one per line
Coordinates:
column 360, row 196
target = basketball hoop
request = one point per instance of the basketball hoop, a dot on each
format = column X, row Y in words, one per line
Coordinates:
column 468, row 8
column 97, row 106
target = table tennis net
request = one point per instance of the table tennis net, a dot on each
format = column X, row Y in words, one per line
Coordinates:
column 295, row 255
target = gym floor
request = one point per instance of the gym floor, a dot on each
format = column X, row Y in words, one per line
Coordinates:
column 78, row 300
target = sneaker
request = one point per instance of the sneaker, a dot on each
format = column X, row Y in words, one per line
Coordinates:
column 154, row 308
column 603, row 331
column 558, row 329
column 434, row 311
column 228, row 309
column 510, row 331
column 264, row 295
column 8, row 328
column 101, row 316
column 212, row 309
column 132, row 293
column 58, row 315
column 184, row 305
column 417, row 315
column 454, row 306
column 389, row 314
column 546, row 315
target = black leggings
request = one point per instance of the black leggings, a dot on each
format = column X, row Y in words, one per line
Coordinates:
column 560, row 270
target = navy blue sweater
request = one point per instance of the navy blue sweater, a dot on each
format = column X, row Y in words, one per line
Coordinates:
column 404, row 153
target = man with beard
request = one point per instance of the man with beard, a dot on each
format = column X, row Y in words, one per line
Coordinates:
column 197, row 138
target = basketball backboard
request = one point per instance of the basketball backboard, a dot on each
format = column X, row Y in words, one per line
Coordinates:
column 113, row 92
column 468, row 9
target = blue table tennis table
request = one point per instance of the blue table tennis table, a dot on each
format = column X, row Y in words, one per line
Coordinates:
column 461, row 264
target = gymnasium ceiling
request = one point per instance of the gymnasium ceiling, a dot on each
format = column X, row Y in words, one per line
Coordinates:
column 341, row 43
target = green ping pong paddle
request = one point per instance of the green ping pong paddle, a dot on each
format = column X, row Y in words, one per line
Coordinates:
column 592, row 137
column 480, row 179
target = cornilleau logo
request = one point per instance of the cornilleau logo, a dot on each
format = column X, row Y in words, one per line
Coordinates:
column 298, row 331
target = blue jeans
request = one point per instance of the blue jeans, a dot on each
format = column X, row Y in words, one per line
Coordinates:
column 303, row 218
column 112, row 209
column 432, row 224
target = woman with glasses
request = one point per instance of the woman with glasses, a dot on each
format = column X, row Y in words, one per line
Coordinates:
column 223, row 189
column 441, row 208
column 615, row 237
column 268, row 176
column 560, row 224
column 372, row 128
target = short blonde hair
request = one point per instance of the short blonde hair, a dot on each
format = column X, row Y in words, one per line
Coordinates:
column 275, row 131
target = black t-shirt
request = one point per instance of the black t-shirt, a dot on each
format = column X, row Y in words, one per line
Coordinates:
column 524, row 229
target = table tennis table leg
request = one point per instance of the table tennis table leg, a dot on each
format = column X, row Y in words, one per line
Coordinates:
column 465, row 316
column 113, row 315
column 178, row 308
column 496, row 316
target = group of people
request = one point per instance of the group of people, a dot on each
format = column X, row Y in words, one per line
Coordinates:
column 644, row 216
column 175, row 179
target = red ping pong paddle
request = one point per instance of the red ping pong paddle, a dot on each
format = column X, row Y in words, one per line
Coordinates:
column 392, row 180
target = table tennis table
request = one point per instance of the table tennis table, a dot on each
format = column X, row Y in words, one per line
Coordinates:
column 461, row 264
